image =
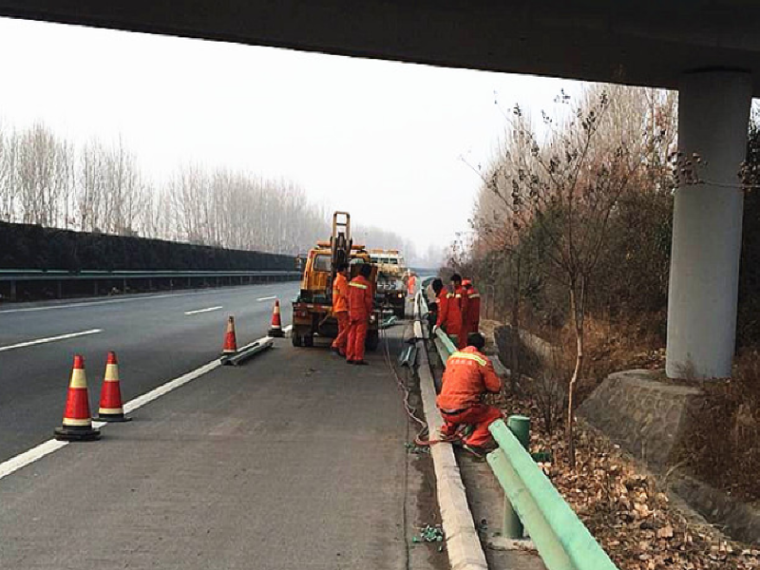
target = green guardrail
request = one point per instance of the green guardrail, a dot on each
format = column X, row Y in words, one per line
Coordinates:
column 531, row 502
column 562, row 540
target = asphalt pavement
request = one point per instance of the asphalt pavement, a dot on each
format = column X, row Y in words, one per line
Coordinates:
column 157, row 337
column 294, row 460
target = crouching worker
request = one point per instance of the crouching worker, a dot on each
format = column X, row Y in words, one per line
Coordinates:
column 469, row 375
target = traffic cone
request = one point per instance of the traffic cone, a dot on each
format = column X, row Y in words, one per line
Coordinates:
column 230, row 341
column 77, row 422
column 111, row 408
column 276, row 329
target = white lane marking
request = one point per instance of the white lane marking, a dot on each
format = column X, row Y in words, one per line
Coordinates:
column 94, row 303
column 266, row 298
column 50, row 339
column 24, row 459
column 130, row 300
column 199, row 311
column 171, row 385
column 51, row 445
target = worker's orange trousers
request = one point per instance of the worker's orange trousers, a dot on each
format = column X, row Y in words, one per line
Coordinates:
column 479, row 415
column 341, row 341
column 357, row 333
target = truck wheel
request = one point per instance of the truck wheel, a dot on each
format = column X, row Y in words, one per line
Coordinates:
column 372, row 340
column 296, row 338
column 308, row 340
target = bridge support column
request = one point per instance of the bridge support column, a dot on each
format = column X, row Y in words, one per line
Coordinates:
column 713, row 119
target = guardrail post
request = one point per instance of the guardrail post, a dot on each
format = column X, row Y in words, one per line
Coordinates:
column 512, row 527
column 13, row 291
column 520, row 426
column 58, row 289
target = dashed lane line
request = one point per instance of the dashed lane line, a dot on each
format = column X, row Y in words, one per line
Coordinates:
column 266, row 298
column 129, row 300
column 49, row 339
column 199, row 311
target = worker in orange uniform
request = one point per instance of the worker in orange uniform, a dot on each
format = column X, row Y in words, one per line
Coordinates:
column 461, row 300
column 472, row 317
column 340, row 308
column 411, row 284
column 468, row 377
column 471, row 312
column 359, row 310
column 449, row 314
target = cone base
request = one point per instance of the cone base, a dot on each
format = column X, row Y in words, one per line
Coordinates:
column 276, row 332
column 64, row 433
column 112, row 418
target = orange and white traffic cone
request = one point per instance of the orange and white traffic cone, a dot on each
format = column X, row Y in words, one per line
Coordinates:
column 111, row 408
column 230, row 341
column 77, row 422
column 276, row 328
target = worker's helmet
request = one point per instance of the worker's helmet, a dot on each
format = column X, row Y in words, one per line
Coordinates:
column 466, row 283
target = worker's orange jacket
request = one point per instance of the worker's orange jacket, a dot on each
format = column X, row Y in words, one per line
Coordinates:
column 359, row 299
column 469, row 374
column 449, row 313
column 472, row 315
column 340, row 294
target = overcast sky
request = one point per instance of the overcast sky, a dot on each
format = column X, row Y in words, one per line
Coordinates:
column 382, row 140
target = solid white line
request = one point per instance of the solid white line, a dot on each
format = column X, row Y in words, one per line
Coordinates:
column 169, row 386
column 204, row 310
column 50, row 339
column 94, row 303
column 267, row 298
column 24, row 459
column 51, row 445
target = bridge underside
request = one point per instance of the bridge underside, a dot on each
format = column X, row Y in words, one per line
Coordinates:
column 625, row 41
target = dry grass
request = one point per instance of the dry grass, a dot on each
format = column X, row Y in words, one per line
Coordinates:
column 723, row 443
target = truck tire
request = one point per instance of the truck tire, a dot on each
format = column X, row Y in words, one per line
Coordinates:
column 308, row 340
column 372, row 340
column 296, row 338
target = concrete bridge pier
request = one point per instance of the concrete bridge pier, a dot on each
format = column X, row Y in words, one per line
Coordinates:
column 713, row 119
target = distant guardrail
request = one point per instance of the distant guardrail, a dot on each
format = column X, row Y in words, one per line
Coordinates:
column 531, row 502
column 13, row 277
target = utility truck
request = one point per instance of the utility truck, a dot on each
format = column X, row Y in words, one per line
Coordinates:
column 391, row 287
column 312, row 309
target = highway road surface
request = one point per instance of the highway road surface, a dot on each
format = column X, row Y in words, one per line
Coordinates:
column 157, row 337
column 294, row 460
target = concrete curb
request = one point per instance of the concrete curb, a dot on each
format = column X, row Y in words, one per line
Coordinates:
column 462, row 540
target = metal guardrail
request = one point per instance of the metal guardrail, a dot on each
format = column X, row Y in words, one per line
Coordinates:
column 14, row 276
column 562, row 540
column 58, row 274
column 532, row 502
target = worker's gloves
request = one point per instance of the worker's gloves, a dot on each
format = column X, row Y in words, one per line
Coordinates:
column 435, row 328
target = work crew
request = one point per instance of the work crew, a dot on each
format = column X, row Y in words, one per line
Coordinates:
column 470, row 316
column 460, row 299
column 449, row 314
column 469, row 375
column 359, row 310
column 340, row 308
